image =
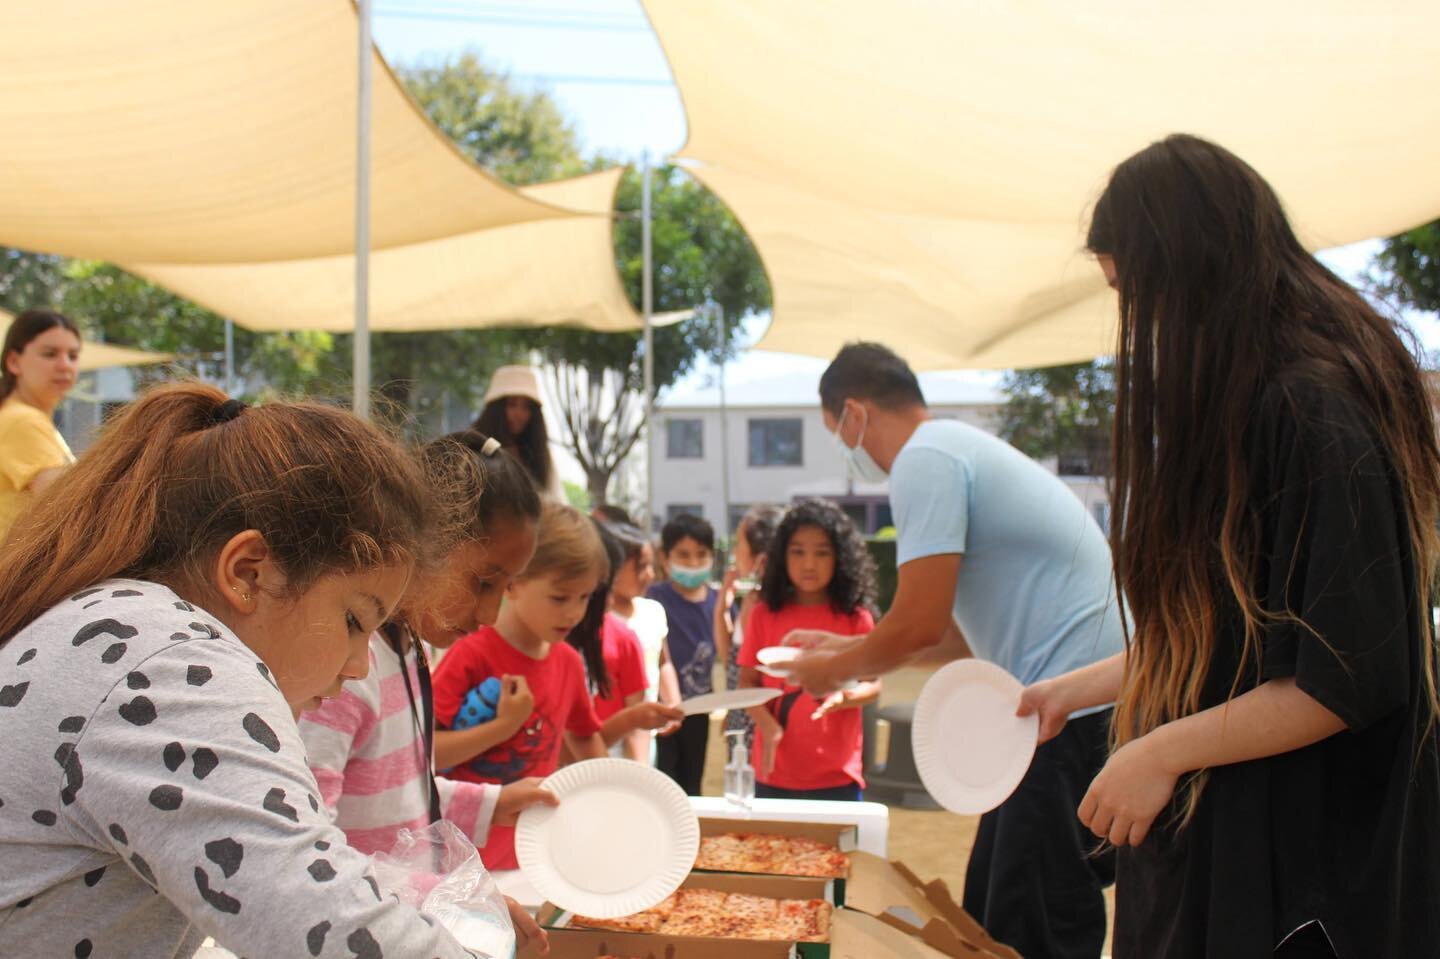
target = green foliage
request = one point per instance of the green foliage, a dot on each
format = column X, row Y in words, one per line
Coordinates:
column 1062, row 411
column 577, row 496
column 1410, row 268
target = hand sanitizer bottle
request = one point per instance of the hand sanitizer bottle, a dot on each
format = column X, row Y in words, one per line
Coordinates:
column 739, row 774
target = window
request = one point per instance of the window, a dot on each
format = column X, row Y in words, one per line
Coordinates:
column 776, row 442
column 1101, row 512
column 684, row 439
column 675, row 509
column 883, row 516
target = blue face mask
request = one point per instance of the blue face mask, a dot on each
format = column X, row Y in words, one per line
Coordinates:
column 690, row 577
column 858, row 462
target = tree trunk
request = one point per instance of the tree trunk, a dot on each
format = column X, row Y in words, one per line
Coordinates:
column 598, row 482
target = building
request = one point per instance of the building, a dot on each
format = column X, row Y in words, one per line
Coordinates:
column 771, row 446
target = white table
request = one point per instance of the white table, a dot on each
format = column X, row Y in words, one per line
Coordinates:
column 872, row 821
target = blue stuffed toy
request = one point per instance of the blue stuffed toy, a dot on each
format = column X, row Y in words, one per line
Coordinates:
column 479, row 706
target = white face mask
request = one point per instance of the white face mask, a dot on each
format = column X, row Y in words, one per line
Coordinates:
column 860, row 464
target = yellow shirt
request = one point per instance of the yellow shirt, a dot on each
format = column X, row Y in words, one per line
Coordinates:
column 29, row 444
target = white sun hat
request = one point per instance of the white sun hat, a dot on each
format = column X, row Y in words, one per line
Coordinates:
column 514, row 381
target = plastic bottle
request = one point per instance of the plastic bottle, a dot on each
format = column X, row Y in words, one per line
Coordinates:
column 739, row 774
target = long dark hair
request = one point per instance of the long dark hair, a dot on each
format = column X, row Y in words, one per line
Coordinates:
column 1218, row 297
column 587, row 637
column 23, row 329
column 851, row 588
column 531, row 446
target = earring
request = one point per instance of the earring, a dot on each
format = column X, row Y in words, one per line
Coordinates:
column 244, row 596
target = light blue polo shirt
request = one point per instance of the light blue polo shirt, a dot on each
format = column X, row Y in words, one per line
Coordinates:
column 1036, row 591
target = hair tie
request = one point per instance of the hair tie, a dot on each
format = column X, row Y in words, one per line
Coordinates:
column 490, row 447
column 227, row 411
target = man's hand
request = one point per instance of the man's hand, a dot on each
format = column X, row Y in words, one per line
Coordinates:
column 519, row 796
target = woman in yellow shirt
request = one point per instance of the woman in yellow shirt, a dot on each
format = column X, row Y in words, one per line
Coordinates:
column 42, row 356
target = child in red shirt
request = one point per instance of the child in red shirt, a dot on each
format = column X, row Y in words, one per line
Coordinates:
column 543, row 702
column 818, row 575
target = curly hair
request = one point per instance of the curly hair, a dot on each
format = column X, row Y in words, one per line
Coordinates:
column 853, row 585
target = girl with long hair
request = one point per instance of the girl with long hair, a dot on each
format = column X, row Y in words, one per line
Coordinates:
column 513, row 415
column 818, row 576
column 544, row 701
column 41, row 360
column 1274, row 786
column 204, row 571
column 371, row 747
column 738, row 596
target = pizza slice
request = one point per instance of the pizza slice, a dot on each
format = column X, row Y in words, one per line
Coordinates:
column 721, row 853
column 644, row 922
column 805, row 920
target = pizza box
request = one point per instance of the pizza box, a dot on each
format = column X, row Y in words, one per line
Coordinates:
column 893, row 894
column 556, row 920
column 590, row 943
column 841, row 835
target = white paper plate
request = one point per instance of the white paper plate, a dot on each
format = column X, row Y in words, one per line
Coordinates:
column 732, row 699
column 622, row 839
column 970, row 747
column 775, row 655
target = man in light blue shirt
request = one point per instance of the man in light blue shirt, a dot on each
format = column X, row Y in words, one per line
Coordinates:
column 997, row 559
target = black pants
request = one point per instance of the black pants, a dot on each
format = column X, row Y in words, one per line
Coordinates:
column 1034, row 881
column 681, row 755
column 1309, row 943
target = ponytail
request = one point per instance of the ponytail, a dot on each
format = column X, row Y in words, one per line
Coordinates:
column 183, row 469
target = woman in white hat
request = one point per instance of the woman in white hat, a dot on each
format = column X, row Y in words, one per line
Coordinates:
column 512, row 415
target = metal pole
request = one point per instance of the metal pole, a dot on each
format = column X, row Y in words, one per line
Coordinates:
column 647, row 304
column 229, row 356
column 361, row 403
column 724, row 427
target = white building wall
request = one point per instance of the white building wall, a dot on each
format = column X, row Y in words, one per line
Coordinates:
column 699, row 481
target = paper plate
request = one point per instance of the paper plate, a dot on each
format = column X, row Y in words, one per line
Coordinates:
column 732, row 699
column 622, row 839
column 970, row 747
column 775, row 655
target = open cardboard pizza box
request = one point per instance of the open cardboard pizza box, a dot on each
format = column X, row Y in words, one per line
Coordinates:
column 840, row 835
column 896, row 917
column 891, row 893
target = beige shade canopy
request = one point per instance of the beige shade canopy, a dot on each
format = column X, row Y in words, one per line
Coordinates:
column 926, row 169
column 210, row 132
column 99, row 356
column 540, row 273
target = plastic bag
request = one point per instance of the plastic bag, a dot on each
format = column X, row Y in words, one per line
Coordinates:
column 438, row 871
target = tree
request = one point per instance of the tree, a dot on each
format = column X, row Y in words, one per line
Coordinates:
column 1066, row 412
column 1409, row 268
column 702, row 260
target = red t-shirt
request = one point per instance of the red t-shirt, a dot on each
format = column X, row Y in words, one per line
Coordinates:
column 624, row 664
column 562, row 702
column 813, row 754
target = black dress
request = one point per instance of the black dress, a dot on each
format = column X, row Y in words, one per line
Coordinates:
column 1346, row 831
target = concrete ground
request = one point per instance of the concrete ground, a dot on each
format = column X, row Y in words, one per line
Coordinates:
column 936, row 845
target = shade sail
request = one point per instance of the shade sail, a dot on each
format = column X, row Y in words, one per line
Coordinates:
column 926, row 168
column 539, row 273
column 207, row 132
column 99, row 356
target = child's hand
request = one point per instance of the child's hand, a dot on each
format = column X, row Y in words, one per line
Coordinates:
column 1132, row 789
column 653, row 715
column 1047, row 698
column 527, row 930
column 829, row 704
column 516, row 701
column 519, row 796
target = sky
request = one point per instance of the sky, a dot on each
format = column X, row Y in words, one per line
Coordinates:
column 605, row 68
